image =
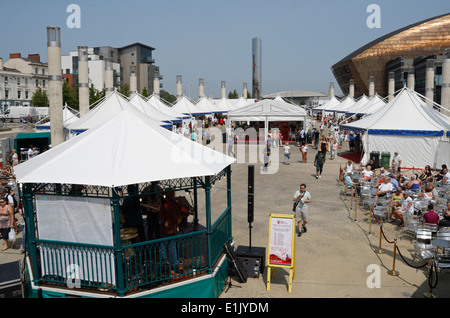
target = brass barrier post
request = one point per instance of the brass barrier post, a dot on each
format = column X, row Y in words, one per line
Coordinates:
column 356, row 207
column 430, row 293
column 351, row 201
column 345, row 193
column 393, row 272
column 370, row 220
column 380, row 251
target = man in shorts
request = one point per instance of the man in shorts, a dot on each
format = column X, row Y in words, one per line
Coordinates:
column 301, row 211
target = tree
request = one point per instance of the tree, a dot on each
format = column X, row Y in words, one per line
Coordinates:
column 125, row 90
column 145, row 92
column 70, row 96
column 166, row 96
column 95, row 94
column 39, row 98
column 233, row 95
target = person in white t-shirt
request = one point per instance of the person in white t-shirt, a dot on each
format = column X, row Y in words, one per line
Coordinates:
column 367, row 173
column 350, row 167
column 287, row 154
column 396, row 162
column 446, row 178
column 385, row 188
column 406, row 208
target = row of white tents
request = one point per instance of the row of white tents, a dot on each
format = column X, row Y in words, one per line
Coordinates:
column 406, row 124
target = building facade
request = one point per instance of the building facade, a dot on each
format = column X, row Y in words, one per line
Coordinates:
column 377, row 58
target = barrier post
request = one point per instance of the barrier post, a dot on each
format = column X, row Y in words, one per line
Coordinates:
column 351, row 201
column 370, row 220
column 380, row 251
column 345, row 194
column 430, row 293
column 393, row 272
column 356, row 206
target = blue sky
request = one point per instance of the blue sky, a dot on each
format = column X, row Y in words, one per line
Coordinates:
column 212, row 39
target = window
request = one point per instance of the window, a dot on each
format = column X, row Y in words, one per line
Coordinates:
column 6, row 79
column 36, row 70
column 18, row 81
column 43, row 83
column 43, row 71
column 26, row 81
column 18, row 94
column 26, row 94
column 37, row 83
column 6, row 94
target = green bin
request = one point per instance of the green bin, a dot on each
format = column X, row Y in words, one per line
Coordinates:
column 385, row 159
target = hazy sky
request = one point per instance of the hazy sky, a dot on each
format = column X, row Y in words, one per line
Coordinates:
column 212, row 39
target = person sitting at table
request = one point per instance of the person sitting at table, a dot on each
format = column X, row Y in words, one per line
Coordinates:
column 151, row 202
column 383, row 172
column 446, row 178
column 414, row 184
column 350, row 167
column 395, row 184
column 350, row 184
column 445, row 222
column 427, row 195
column 441, row 173
column 385, row 188
column 431, row 217
column 425, row 174
column 406, row 207
column 396, row 197
column 367, row 173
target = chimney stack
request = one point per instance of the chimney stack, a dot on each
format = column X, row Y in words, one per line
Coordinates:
column 156, row 84
column 429, row 82
column 83, row 80
column 331, row 89
column 109, row 77
column 445, row 88
column 179, row 88
column 411, row 79
column 133, row 81
column 245, row 91
column 55, row 96
column 223, row 89
column 371, row 86
column 201, row 87
column 351, row 90
column 391, row 86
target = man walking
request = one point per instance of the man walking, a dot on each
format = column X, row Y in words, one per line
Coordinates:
column 302, row 198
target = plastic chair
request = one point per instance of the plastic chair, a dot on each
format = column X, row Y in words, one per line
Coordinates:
column 422, row 245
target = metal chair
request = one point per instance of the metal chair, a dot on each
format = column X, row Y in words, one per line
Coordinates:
column 422, row 245
column 380, row 213
column 411, row 225
column 432, row 227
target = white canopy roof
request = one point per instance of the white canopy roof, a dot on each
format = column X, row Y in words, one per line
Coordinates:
column 372, row 106
column 127, row 149
column 240, row 102
column 269, row 110
column 137, row 101
column 347, row 102
column 112, row 105
column 225, row 105
column 184, row 106
column 331, row 103
column 405, row 114
column 204, row 106
column 155, row 102
column 351, row 109
column 69, row 116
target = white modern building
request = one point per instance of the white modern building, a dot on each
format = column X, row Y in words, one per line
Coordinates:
column 96, row 68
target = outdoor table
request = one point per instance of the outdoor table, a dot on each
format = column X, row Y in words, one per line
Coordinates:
column 443, row 244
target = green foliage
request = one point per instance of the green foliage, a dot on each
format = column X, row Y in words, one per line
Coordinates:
column 95, row 94
column 125, row 90
column 39, row 98
column 166, row 96
column 70, row 96
column 233, row 95
column 145, row 92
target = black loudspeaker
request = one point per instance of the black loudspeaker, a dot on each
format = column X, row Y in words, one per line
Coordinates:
column 253, row 259
column 251, row 192
column 11, row 280
column 236, row 263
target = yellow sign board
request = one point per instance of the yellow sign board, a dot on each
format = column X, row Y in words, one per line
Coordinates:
column 281, row 251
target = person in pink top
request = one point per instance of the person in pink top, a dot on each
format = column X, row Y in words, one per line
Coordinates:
column 431, row 217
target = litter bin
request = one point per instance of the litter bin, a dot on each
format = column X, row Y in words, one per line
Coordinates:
column 375, row 156
column 385, row 159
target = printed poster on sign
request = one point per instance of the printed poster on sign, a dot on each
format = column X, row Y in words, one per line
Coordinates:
column 280, row 241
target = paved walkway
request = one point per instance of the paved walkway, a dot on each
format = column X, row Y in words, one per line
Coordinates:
column 332, row 258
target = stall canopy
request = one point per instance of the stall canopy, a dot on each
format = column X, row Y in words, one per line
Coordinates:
column 351, row 108
column 102, row 112
column 331, row 103
column 269, row 110
column 127, row 149
column 225, row 105
column 139, row 102
column 69, row 116
column 374, row 104
column 346, row 103
column 156, row 102
column 407, row 125
column 241, row 102
column 205, row 107
column 184, row 106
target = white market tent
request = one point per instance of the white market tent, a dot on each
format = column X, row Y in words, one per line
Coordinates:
column 346, row 103
column 359, row 103
column 109, row 107
column 269, row 110
column 69, row 116
column 241, row 102
column 156, row 102
column 374, row 104
column 224, row 104
column 331, row 103
column 204, row 106
column 127, row 149
column 184, row 106
column 419, row 133
column 139, row 102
